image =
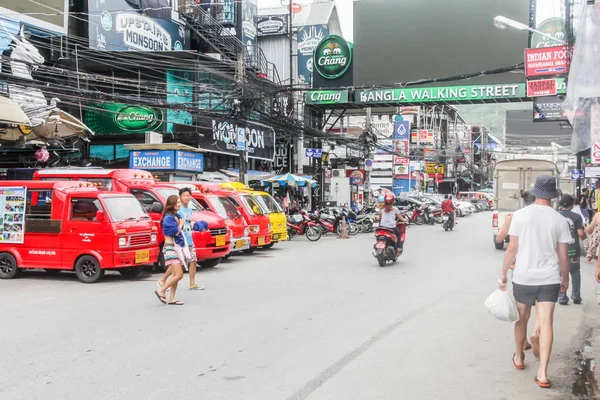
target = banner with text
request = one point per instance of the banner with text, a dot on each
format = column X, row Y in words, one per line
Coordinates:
column 309, row 38
column 260, row 140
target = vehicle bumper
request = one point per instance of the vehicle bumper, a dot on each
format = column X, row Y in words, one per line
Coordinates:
column 260, row 240
column 127, row 258
column 279, row 235
column 240, row 244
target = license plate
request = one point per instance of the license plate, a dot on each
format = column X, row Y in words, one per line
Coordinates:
column 239, row 243
column 221, row 240
column 261, row 241
column 276, row 237
column 380, row 246
column 446, row 218
column 142, row 257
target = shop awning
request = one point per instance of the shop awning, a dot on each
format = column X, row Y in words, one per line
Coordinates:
column 253, row 175
column 162, row 146
column 11, row 113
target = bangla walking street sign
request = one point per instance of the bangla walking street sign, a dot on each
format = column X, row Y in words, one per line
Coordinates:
column 333, row 56
column 317, row 97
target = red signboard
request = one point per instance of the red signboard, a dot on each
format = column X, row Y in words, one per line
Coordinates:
column 541, row 87
column 546, row 61
column 400, row 160
column 596, row 153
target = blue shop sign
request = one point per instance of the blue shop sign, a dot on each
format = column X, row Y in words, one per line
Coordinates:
column 166, row 160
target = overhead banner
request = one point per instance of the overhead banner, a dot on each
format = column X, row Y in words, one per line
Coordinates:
column 309, row 38
column 260, row 140
column 12, row 214
column 269, row 25
column 546, row 61
column 119, row 118
column 326, row 97
column 116, row 25
column 249, row 32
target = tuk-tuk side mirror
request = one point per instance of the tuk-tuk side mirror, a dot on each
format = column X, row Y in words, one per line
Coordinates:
column 100, row 216
column 156, row 207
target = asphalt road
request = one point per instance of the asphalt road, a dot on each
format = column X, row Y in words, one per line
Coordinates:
column 300, row 321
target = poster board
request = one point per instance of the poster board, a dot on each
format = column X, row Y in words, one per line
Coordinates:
column 12, row 214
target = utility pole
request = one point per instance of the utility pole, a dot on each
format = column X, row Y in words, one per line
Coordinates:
column 483, row 157
column 241, row 130
column 367, row 182
column 294, row 142
column 418, row 173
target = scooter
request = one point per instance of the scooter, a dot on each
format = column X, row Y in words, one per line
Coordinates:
column 386, row 247
column 303, row 225
column 448, row 223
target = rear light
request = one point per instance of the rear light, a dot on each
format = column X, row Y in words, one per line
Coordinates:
column 123, row 241
column 495, row 220
column 153, row 238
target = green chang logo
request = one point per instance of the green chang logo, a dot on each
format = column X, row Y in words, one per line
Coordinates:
column 332, row 57
column 137, row 119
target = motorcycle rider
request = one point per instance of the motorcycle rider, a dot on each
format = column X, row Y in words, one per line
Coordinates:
column 389, row 213
column 448, row 207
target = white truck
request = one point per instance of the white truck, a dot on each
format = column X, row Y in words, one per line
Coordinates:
column 510, row 177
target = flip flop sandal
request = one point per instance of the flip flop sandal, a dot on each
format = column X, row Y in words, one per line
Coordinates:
column 198, row 287
column 161, row 298
column 518, row 367
column 176, row 303
column 543, row 385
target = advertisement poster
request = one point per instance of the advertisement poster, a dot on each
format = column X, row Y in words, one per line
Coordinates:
column 268, row 25
column 180, row 90
column 249, row 31
column 546, row 61
column 549, row 21
column 12, row 214
column 116, row 25
column 260, row 140
column 541, row 87
column 119, row 118
column 309, row 38
column 549, row 108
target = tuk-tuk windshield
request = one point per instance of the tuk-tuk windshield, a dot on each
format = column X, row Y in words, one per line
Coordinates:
column 124, row 208
column 270, row 203
column 194, row 205
column 224, row 207
column 251, row 204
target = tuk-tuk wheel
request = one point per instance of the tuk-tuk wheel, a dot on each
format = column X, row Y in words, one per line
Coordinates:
column 8, row 266
column 88, row 269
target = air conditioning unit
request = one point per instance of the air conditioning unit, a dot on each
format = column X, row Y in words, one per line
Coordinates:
column 338, row 173
column 153, row 138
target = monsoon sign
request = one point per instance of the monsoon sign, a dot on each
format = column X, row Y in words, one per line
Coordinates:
column 445, row 94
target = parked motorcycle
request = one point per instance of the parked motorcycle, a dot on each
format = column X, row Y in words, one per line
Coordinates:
column 386, row 247
column 301, row 224
column 416, row 215
column 448, row 223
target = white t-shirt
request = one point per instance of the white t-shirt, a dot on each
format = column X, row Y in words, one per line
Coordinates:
column 539, row 229
column 388, row 219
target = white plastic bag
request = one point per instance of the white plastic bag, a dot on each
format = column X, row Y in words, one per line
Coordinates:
column 502, row 305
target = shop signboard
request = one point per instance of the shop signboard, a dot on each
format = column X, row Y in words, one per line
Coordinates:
column 401, row 129
column 249, row 31
column 332, row 57
column 546, row 61
column 282, row 159
column 119, row 118
column 116, row 25
column 541, row 87
column 260, row 140
column 12, row 214
column 309, row 38
column 166, row 160
column 180, row 90
column 326, row 97
column 268, row 25
column 425, row 136
column 549, row 108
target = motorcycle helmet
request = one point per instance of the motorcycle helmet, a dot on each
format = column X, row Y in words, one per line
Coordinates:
column 380, row 199
column 388, row 198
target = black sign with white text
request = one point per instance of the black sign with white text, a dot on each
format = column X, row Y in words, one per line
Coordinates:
column 549, row 108
column 272, row 25
column 260, row 140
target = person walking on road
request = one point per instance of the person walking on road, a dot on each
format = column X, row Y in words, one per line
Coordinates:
column 539, row 241
column 174, row 250
column 583, row 202
column 575, row 222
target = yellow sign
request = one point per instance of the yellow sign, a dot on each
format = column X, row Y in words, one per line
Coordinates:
column 25, row 130
column 440, row 169
column 432, row 169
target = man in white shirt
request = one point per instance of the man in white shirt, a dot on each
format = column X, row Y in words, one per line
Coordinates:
column 539, row 239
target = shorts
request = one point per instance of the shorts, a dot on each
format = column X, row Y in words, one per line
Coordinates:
column 170, row 254
column 193, row 258
column 528, row 295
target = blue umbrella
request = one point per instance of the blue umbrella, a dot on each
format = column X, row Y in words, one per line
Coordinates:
column 291, row 180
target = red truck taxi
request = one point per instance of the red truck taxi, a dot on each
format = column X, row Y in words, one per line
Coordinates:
column 74, row 226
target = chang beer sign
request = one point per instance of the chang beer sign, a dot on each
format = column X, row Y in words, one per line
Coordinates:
column 326, row 97
column 137, row 119
column 332, row 57
column 119, row 118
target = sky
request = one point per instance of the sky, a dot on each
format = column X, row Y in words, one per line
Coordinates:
column 344, row 8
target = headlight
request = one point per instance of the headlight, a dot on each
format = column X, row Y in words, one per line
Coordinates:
column 270, row 227
column 254, row 228
column 246, row 231
column 153, row 238
column 123, row 241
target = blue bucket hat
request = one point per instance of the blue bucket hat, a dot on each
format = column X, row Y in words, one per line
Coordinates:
column 545, row 187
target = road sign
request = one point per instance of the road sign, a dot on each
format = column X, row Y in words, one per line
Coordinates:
column 577, row 174
column 241, row 139
column 313, row 153
column 368, row 164
column 592, row 172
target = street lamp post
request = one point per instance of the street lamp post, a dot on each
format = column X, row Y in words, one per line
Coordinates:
column 501, row 22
